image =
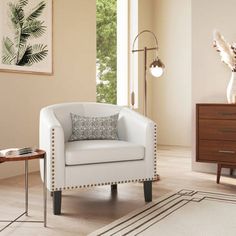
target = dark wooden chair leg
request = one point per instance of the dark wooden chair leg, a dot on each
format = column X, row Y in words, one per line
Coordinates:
column 57, row 202
column 231, row 171
column 147, row 187
column 114, row 187
column 218, row 173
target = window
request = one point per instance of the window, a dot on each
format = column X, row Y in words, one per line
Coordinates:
column 117, row 25
column 106, row 51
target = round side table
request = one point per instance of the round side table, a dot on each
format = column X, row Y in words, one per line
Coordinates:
column 36, row 154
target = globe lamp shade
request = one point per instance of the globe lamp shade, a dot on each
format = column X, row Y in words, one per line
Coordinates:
column 157, row 68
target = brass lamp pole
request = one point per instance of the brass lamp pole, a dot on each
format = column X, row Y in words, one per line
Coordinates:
column 156, row 67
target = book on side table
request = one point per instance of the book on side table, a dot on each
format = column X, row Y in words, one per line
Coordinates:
column 16, row 151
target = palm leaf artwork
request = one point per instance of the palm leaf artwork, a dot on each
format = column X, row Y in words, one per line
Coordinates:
column 27, row 26
column 23, row 3
column 9, row 53
column 36, row 11
column 33, row 54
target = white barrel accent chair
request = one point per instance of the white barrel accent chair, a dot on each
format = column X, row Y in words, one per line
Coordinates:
column 88, row 163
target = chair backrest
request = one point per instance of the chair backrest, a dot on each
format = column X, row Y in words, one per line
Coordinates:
column 62, row 112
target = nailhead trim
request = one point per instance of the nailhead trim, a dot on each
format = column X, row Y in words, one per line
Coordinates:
column 103, row 184
column 99, row 184
column 53, row 159
column 155, row 150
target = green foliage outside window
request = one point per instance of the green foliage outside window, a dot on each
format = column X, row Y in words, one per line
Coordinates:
column 106, row 51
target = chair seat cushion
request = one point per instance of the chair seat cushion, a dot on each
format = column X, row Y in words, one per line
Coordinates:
column 102, row 151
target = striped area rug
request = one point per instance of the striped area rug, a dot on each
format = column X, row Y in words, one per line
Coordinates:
column 184, row 213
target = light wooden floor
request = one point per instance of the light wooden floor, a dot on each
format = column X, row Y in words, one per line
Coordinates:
column 89, row 209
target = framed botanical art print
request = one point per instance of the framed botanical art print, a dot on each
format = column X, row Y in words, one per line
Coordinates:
column 26, row 36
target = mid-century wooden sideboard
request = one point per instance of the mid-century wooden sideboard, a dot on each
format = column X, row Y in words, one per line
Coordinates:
column 216, row 135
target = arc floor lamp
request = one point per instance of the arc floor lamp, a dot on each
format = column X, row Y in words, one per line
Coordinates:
column 156, row 67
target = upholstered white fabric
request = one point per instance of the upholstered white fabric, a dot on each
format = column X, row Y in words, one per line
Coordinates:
column 55, row 129
column 101, row 151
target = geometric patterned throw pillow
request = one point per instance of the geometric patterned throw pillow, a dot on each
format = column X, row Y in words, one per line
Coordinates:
column 91, row 128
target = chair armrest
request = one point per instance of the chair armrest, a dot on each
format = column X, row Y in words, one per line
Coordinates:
column 51, row 140
column 136, row 128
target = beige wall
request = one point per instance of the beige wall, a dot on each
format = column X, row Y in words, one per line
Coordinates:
column 22, row 96
column 209, row 75
column 171, row 93
column 145, row 22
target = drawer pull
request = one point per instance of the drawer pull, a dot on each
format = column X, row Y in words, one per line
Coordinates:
column 226, row 151
column 227, row 113
column 229, row 130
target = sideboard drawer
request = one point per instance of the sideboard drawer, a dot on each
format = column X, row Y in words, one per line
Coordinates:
column 217, row 112
column 217, row 151
column 217, row 129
